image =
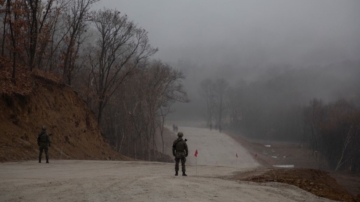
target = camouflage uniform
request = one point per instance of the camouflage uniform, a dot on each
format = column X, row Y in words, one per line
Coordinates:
column 43, row 141
column 180, row 151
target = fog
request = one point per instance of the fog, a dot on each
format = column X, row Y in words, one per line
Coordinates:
column 248, row 33
column 312, row 47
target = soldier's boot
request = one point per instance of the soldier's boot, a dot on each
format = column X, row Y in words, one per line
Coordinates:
column 184, row 174
column 176, row 173
column 39, row 159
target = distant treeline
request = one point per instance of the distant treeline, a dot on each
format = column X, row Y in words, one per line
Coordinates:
column 280, row 106
column 333, row 130
column 103, row 55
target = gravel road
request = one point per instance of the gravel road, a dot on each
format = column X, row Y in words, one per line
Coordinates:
column 71, row 180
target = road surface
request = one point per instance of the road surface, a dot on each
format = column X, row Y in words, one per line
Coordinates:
column 216, row 149
column 147, row 181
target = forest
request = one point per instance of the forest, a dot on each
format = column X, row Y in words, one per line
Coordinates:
column 316, row 107
column 103, row 55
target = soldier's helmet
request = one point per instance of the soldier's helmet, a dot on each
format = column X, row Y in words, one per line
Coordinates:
column 180, row 134
column 43, row 128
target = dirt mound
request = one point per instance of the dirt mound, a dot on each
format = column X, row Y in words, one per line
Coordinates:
column 300, row 157
column 315, row 181
column 76, row 134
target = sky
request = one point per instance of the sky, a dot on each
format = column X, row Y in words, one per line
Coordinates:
column 244, row 39
column 248, row 33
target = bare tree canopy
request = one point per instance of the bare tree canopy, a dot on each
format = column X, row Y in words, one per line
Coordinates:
column 120, row 48
column 104, row 56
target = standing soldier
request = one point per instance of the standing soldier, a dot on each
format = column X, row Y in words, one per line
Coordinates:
column 180, row 151
column 43, row 141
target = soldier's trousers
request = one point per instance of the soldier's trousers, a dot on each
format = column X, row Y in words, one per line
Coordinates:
column 42, row 148
column 177, row 160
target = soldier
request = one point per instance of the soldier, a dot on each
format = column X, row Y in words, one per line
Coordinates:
column 180, row 151
column 43, row 141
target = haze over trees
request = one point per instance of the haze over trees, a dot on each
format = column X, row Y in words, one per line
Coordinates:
column 214, row 93
column 316, row 107
column 101, row 54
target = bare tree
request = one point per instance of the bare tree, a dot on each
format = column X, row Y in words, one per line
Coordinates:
column 27, row 27
column 346, row 144
column 221, row 87
column 6, row 11
column 120, row 48
column 334, row 131
column 236, row 103
column 207, row 92
column 166, row 89
column 75, row 20
column 40, row 18
column 14, row 32
column 142, row 102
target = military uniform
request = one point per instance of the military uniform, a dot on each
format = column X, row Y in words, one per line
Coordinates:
column 180, row 151
column 43, row 141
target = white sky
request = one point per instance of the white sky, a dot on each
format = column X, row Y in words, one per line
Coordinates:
column 253, row 32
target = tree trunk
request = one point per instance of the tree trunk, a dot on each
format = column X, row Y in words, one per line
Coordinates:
column 33, row 33
column 100, row 109
column 4, row 30
column 14, row 52
column 346, row 143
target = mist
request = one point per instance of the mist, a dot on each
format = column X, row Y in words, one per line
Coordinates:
column 248, row 33
column 286, row 52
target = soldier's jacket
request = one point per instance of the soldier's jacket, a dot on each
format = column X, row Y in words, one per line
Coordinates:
column 180, row 149
column 43, row 139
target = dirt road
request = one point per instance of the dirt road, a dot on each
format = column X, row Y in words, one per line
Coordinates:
column 144, row 181
column 216, row 149
column 132, row 181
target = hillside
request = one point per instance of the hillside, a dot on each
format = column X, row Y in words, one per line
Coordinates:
column 76, row 134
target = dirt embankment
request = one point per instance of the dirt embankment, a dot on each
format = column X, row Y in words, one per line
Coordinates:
column 306, row 175
column 76, row 134
column 317, row 182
